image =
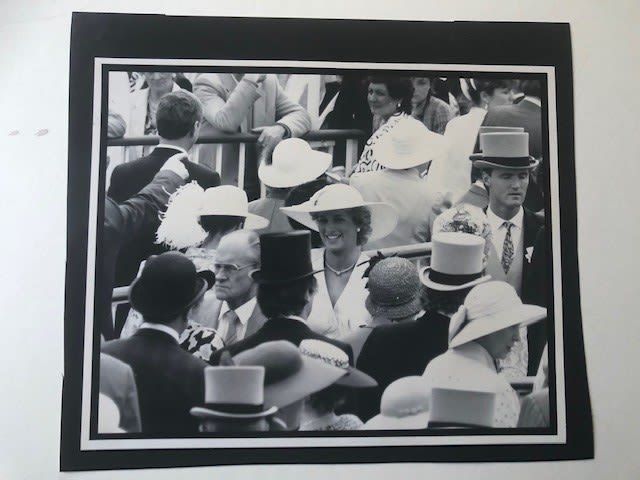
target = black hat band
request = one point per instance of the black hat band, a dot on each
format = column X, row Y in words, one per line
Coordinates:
column 452, row 279
column 235, row 408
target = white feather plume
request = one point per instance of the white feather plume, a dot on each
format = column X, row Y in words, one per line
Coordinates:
column 179, row 227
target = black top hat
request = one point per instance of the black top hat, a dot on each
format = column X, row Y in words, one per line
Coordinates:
column 168, row 286
column 284, row 257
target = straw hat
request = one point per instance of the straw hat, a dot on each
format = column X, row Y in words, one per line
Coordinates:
column 343, row 197
column 234, row 392
column 293, row 163
column 289, row 375
column 508, row 150
column 332, row 355
column 456, row 262
column 404, row 405
column 394, row 289
column 408, row 144
column 230, row 201
column 488, row 308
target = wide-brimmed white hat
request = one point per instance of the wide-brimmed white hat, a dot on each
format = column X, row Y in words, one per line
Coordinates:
column 408, row 144
column 456, row 262
column 404, row 405
column 509, row 150
column 293, row 163
column 488, row 308
column 230, row 201
column 234, row 392
column 343, row 197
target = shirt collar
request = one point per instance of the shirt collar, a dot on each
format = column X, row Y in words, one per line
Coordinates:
column 162, row 328
column 244, row 311
column 496, row 222
column 534, row 100
column 295, row 317
column 175, row 147
column 477, row 352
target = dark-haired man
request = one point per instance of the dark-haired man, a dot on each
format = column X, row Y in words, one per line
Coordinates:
column 286, row 286
column 178, row 121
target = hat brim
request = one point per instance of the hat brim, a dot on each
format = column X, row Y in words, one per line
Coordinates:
column 313, row 376
column 202, row 412
column 432, row 145
column 479, row 162
column 404, row 310
column 384, row 217
column 357, row 379
column 255, row 222
column 443, row 287
column 311, row 167
column 205, row 280
column 412, row 422
column 259, row 277
column 522, row 315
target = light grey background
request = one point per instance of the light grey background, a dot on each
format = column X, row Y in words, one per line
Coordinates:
column 34, row 48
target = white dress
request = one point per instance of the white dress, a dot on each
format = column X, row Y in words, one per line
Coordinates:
column 462, row 366
column 349, row 311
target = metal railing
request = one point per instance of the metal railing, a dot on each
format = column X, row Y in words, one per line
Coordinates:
column 325, row 139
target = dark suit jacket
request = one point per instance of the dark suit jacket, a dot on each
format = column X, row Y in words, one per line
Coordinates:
column 536, row 333
column 127, row 180
column 477, row 196
column 170, row 381
column 289, row 329
column 399, row 350
column 122, row 224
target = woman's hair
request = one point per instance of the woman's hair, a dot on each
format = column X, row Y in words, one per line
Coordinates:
column 285, row 298
column 485, row 85
column 531, row 88
column 329, row 399
column 215, row 224
column 446, row 302
column 301, row 194
column 399, row 88
column 177, row 114
column 361, row 217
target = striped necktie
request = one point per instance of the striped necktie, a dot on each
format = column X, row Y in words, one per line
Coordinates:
column 507, row 248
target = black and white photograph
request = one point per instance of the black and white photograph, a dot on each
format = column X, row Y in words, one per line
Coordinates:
column 295, row 255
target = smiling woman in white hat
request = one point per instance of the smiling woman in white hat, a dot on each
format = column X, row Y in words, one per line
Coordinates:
column 345, row 222
column 482, row 332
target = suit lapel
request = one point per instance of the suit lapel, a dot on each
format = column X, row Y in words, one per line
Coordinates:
column 255, row 322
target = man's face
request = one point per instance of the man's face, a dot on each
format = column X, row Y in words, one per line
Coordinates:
column 507, row 187
column 234, row 286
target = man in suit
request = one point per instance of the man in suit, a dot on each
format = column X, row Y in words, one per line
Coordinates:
column 170, row 381
column 238, row 254
column 527, row 113
column 123, row 223
column 506, row 164
column 247, row 103
column 286, row 286
column 178, row 120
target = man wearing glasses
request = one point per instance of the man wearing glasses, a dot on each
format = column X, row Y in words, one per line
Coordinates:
column 238, row 254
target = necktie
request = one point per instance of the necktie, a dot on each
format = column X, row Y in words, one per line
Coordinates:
column 233, row 327
column 507, row 248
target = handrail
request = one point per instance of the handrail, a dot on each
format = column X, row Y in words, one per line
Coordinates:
column 121, row 294
column 312, row 136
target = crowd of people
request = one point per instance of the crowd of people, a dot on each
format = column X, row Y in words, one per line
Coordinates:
column 294, row 311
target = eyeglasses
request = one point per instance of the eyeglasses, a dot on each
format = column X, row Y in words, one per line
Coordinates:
column 229, row 267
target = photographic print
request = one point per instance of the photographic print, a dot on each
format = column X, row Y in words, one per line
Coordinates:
column 299, row 241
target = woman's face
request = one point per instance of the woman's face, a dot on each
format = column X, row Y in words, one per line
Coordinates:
column 337, row 230
column 159, row 80
column 380, row 102
column 499, row 343
column 501, row 96
column 421, row 87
